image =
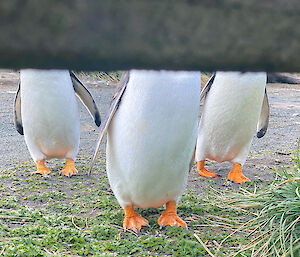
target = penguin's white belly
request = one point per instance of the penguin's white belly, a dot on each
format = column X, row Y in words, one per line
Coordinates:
column 49, row 114
column 230, row 116
column 225, row 138
column 54, row 134
column 152, row 138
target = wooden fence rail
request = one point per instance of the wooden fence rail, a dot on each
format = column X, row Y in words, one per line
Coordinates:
column 156, row 34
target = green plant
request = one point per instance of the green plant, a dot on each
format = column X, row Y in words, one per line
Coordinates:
column 275, row 229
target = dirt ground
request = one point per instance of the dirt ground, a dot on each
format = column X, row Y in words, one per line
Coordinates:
column 271, row 152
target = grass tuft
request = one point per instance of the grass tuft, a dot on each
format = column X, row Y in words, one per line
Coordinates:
column 275, row 229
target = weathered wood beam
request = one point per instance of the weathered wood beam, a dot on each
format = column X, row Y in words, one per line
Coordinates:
column 168, row 34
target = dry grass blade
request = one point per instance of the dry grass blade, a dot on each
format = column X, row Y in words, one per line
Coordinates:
column 128, row 230
column 14, row 217
column 9, row 239
column 289, row 180
column 235, row 231
column 204, row 246
column 252, row 244
column 51, row 253
column 75, row 224
column 3, row 249
column 222, row 218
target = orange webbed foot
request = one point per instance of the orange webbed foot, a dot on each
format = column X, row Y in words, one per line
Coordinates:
column 236, row 174
column 133, row 220
column 170, row 217
column 207, row 173
column 69, row 169
column 204, row 172
column 41, row 168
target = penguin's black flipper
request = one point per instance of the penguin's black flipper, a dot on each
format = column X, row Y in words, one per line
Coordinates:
column 113, row 108
column 263, row 121
column 17, row 112
column 86, row 98
column 207, row 87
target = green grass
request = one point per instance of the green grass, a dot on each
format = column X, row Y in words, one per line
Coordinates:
column 58, row 216
column 275, row 228
column 79, row 216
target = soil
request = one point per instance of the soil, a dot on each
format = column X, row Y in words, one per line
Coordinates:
column 271, row 152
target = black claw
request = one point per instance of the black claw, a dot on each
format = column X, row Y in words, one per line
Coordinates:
column 137, row 231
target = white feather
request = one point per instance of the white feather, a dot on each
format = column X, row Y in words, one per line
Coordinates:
column 230, row 115
column 49, row 114
column 152, row 137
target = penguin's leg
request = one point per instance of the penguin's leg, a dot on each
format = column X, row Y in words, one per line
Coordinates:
column 133, row 220
column 170, row 217
column 41, row 168
column 69, row 169
column 204, row 172
column 236, row 174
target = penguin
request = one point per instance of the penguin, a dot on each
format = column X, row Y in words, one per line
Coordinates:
column 46, row 113
column 151, row 137
column 235, row 103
